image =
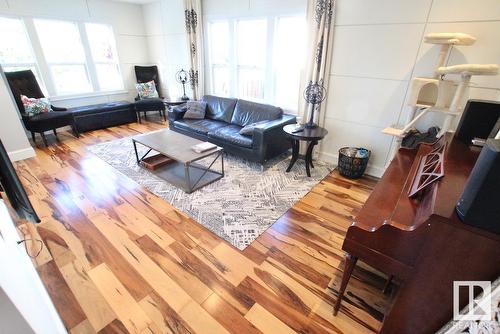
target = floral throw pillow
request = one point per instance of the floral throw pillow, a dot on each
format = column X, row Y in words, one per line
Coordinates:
column 34, row 106
column 147, row 90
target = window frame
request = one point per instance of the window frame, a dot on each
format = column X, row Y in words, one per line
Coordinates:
column 94, row 63
column 270, row 73
column 267, row 93
column 43, row 70
column 33, row 64
column 213, row 65
column 50, row 64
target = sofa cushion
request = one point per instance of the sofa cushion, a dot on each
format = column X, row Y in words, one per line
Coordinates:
column 151, row 104
column 203, row 126
column 231, row 134
column 48, row 120
column 98, row 108
column 219, row 108
column 247, row 112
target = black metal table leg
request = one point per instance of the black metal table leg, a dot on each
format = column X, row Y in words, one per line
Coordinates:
column 135, row 150
column 295, row 154
column 308, row 157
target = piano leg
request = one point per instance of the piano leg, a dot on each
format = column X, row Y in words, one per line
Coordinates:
column 350, row 262
column 385, row 290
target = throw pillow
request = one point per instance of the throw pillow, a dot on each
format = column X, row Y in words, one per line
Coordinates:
column 248, row 129
column 147, row 90
column 34, row 106
column 195, row 110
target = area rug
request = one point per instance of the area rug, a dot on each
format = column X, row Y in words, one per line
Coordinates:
column 237, row 208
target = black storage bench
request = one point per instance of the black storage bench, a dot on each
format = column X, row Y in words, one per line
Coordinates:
column 104, row 115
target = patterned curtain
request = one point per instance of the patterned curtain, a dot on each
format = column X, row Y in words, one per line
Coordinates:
column 320, row 21
column 192, row 12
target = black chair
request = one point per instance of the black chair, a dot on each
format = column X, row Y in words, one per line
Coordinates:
column 24, row 83
column 146, row 74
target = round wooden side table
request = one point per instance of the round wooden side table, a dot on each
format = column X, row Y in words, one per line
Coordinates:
column 172, row 103
column 312, row 136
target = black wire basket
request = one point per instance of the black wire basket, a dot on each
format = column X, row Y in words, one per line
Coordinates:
column 353, row 161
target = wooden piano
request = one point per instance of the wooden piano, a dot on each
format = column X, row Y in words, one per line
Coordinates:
column 421, row 241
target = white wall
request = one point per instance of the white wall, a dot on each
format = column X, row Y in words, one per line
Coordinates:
column 165, row 28
column 128, row 26
column 378, row 47
column 22, row 292
column 11, row 130
column 166, row 35
column 11, row 321
column 213, row 9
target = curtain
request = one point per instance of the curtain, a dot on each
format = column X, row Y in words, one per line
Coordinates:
column 192, row 12
column 320, row 21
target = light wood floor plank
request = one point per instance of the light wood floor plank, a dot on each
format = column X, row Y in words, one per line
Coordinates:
column 267, row 322
column 119, row 259
column 94, row 305
column 121, row 302
column 166, row 288
column 161, row 283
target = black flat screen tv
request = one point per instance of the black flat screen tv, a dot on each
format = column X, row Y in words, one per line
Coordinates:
column 13, row 188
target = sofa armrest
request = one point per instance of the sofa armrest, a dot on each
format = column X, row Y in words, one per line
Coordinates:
column 270, row 137
column 54, row 108
column 176, row 113
column 277, row 123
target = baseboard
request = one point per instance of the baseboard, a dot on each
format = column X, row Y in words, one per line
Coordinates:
column 334, row 158
column 22, row 154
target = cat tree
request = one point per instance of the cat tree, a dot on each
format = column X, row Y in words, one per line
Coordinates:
column 451, row 95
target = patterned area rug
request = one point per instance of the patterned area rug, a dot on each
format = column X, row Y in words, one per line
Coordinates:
column 240, row 206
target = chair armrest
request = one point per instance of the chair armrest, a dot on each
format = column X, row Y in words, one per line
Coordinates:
column 54, row 108
column 176, row 113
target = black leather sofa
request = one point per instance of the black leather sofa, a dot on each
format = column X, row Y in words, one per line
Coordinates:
column 225, row 117
column 104, row 115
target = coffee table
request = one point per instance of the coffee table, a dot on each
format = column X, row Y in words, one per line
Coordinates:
column 184, row 172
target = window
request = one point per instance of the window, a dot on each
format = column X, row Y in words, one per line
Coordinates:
column 251, row 44
column 74, row 58
column 103, row 50
column 289, row 58
column 219, row 56
column 15, row 48
column 64, row 54
column 257, row 59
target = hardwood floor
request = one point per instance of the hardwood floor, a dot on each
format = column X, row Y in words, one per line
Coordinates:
column 118, row 259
